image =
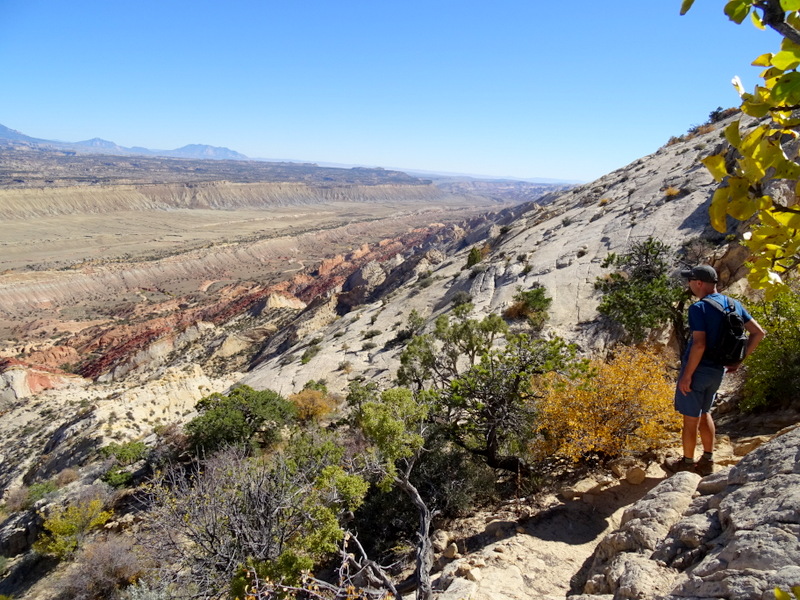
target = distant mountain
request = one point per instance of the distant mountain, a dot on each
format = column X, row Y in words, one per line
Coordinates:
column 205, row 151
column 101, row 146
column 15, row 136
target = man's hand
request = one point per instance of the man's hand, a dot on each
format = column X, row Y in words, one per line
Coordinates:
column 685, row 384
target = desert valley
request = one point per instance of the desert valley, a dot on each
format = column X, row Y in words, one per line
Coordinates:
column 132, row 286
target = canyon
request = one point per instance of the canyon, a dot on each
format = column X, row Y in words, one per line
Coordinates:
column 125, row 301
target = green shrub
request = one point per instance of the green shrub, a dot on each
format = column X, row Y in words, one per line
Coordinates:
column 447, row 477
column 639, row 295
column 233, row 510
column 773, row 370
column 126, row 454
column 414, row 325
column 117, row 477
column 475, row 256
column 310, row 353
column 37, row 491
column 461, row 297
column 320, row 385
column 425, row 282
column 244, row 416
column 22, row 498
column 532, row 305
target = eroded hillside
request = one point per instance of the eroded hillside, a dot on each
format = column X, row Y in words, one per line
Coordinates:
column 120, row 336
column 275, row 310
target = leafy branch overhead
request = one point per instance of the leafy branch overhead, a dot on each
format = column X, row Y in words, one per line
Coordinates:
column 760, row 179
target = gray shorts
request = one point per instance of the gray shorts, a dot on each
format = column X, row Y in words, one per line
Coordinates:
column 705, row 383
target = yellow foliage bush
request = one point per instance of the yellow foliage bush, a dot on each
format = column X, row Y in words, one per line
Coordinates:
column 67, row 526
column 312, row 405
column 627, row 406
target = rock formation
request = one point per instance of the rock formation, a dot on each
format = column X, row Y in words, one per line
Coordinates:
column 734, row 534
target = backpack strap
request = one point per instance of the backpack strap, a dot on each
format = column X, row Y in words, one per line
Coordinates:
column 728, row 309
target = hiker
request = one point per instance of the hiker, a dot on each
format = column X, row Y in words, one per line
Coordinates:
column 701, row 375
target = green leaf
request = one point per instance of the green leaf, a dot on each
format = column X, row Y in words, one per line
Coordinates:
column 718, row 211
column 686, row 5
column 737, row 10
column 786, row 60
column 716, row 166
column 787, row 5
column 788, row 57
column 787, row 89
column 732, row 134
column 764, row 60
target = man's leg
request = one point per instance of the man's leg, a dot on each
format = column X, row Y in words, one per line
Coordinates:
column 689, row 435
column 708, row 432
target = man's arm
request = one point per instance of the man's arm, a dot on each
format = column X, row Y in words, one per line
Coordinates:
column 694, row 358
column 757, row 334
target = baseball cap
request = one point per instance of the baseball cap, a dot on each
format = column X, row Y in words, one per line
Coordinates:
column 701, row 272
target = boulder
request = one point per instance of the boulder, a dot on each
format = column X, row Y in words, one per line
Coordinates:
column 739, row 538
column 19, row 532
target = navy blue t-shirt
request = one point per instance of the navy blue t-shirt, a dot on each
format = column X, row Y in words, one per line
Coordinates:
column 705, row 317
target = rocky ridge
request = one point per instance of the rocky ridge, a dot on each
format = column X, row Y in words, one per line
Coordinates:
column 48, row 202
column 559, row 243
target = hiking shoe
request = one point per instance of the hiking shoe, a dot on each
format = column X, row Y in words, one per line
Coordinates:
column 678, row 465
column 704, row 467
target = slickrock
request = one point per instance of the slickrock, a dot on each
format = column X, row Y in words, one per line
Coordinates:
column 738, row 538
column 734, row 535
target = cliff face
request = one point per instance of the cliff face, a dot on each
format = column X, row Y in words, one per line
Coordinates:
column 220, row 195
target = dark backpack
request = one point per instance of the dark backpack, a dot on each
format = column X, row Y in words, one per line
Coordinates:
column 732, row 341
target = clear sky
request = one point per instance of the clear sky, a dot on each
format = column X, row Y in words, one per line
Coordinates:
column 521, row 88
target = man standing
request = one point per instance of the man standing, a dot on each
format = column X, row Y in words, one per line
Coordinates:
column 700, row 376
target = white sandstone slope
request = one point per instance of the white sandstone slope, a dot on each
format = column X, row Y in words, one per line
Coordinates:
column 559, row 243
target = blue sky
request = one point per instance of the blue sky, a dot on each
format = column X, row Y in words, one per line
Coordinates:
column 520, row 88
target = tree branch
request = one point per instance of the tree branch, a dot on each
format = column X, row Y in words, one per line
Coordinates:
column 775, row 17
